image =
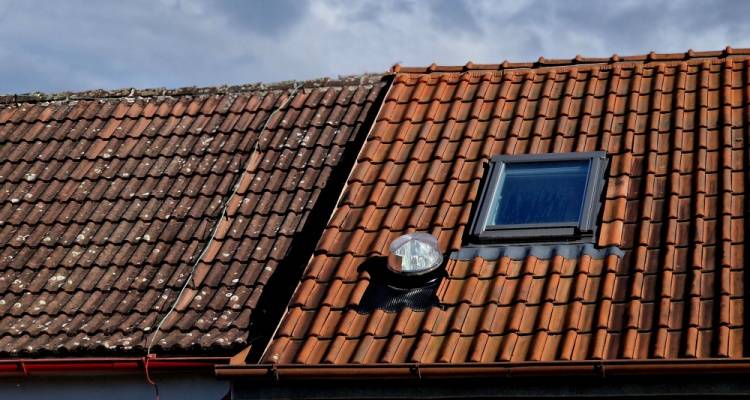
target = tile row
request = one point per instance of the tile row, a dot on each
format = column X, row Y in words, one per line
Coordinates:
column 179, row 106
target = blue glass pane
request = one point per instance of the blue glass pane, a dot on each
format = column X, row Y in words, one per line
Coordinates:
column 544, row 192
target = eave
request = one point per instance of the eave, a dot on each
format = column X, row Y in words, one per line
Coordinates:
column 696, row 378
column 595, row 368
column 106, row 365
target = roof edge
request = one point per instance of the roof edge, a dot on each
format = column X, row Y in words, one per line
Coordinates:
column 542, row 62
column 52, row 366
column 100, row 94
column 499, row 369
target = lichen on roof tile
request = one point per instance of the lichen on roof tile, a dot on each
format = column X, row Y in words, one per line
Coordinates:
column 107, row 199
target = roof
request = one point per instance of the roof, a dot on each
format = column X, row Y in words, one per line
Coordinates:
column 109, row 202
column 666, row 277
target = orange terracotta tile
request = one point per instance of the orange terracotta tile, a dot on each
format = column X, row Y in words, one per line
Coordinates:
column 673, row 203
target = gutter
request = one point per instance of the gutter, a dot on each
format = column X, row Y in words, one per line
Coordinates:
column 114, row 365
column 416, row 371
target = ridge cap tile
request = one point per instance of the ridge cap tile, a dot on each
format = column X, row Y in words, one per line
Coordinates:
column 131, row 94
column 578, row 60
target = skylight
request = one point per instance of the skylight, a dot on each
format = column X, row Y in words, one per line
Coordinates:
column 537, row 196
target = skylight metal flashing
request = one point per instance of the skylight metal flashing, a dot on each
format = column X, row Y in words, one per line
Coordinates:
column 540, row 251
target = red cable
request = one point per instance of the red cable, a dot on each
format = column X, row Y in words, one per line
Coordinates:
column 148, row 377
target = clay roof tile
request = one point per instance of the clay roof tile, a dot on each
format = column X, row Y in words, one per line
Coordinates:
column 104, row 216
column 670, row 206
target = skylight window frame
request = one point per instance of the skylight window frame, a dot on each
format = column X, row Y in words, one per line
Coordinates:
column 583, row 229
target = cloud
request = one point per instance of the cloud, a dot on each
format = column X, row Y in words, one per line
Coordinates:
column 265, row 17
column 78, row 44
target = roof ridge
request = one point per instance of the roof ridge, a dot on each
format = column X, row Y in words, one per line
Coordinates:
column 100, row 94
column 577, row 60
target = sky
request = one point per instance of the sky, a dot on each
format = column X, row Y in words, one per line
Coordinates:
column 75, row 45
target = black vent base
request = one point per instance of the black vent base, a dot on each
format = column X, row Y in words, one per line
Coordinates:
column 391, row 292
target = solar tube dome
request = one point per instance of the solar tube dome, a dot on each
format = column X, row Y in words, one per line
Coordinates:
column 414, row 254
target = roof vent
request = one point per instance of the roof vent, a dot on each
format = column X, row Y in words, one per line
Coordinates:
column 414, row 254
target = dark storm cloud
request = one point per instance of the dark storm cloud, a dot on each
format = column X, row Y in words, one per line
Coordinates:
column 78, row 45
